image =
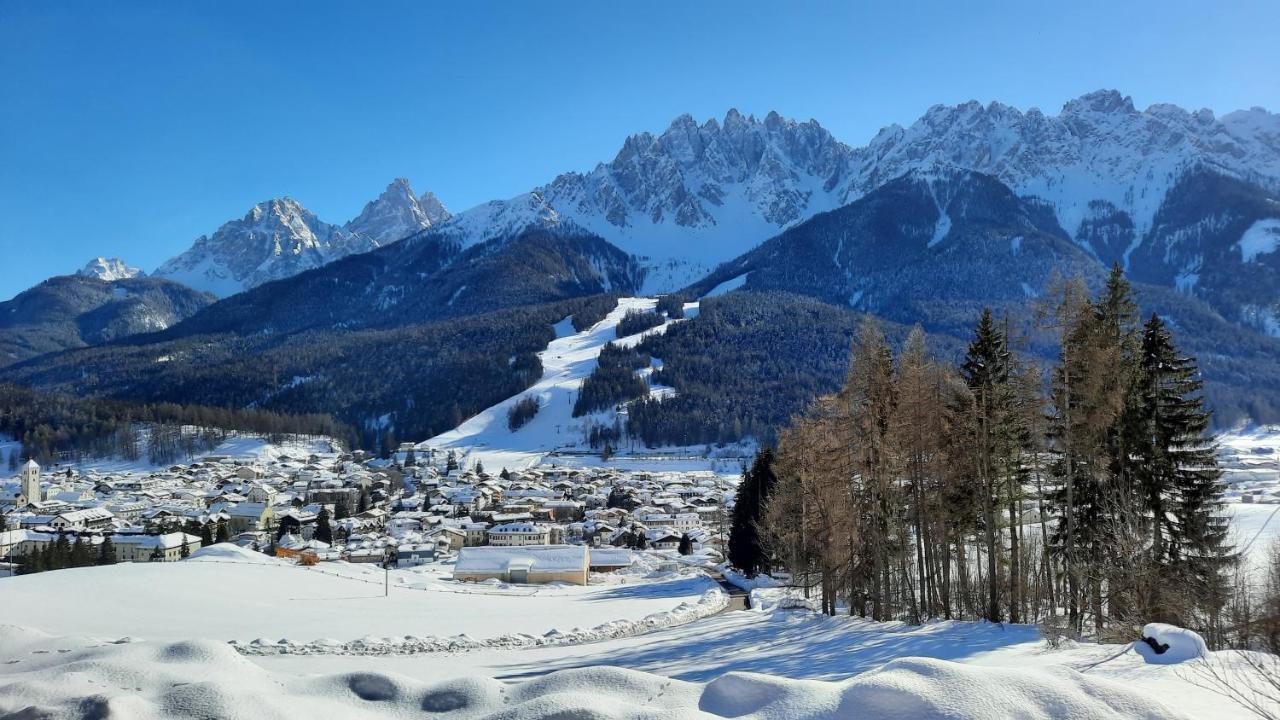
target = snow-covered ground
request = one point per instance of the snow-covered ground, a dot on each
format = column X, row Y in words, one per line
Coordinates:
column 742, row 664
column 806, row 646
column 1250, row 460
column 226, row 593
column 566, row 362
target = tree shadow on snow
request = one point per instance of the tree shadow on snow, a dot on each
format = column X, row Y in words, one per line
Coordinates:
column 791, row 644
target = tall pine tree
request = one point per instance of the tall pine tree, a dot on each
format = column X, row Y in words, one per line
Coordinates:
column 746, row 550
column 1177, row 471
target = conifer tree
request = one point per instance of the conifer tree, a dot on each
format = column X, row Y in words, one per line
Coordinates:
column 986, row 370
column 746, row 548
column 80, row 556
column 107, row 552
column 1177, row 472
column 686, row 545
column 324, row 532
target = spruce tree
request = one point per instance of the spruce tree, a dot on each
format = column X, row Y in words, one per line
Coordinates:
column 686, row 545
column 80, row 556
column 107, row 552
column 986, row 369
column 324, row 532
column 61, row 553
column 1178, row 475
column 206, row 535
column 746, row 548
column 222, row 534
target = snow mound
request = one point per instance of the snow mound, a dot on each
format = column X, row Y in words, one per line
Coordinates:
column 229, row 552
column 1182, row 644
column 60, row 677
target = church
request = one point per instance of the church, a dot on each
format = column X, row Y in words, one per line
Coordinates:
column 28, row 489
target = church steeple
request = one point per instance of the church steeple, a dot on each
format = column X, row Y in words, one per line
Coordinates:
column 31, row 482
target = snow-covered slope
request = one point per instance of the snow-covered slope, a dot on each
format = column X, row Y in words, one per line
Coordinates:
column 566, row 362
column 109, row 269
column 280, row 238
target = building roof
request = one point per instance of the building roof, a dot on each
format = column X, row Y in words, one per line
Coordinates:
column 613, row 557
column 541, row 558
column 513, row 528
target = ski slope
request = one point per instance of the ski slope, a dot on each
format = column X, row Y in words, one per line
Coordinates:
column 566, row 362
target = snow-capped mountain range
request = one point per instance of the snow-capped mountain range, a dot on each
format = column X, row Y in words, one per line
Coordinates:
column 698, row 195
column 280, row 238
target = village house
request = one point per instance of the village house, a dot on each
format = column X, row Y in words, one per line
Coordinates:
column 153, row 548
column 250, row 516
column 519, row 535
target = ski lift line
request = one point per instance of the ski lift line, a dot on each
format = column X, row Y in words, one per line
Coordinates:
column 1258, row 534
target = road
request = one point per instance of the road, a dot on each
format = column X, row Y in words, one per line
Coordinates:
column 738, row 598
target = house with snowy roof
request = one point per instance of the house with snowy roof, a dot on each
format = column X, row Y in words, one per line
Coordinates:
column 87, row 519
column 250, row 516
column 166, row 547
column 523, row 565
column 519, row 534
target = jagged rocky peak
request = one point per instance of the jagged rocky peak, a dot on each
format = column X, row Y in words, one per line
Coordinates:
column 109, row 269
column 396, row 214
column 435, row 210
column 689, row 197
column 1098, row 148
column 277, row 238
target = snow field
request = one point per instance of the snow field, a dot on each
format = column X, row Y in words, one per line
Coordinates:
column 262, row 603
column 68, row 677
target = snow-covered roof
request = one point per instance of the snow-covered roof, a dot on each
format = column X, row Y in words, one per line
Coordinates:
column 543, row 558
column 514, row 528
column 620, row 557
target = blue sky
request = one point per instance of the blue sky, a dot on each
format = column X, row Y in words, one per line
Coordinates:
column 130, row 128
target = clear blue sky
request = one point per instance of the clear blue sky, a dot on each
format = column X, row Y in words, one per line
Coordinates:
column 130, row 128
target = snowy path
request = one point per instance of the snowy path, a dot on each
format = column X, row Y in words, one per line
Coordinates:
column 566, row 362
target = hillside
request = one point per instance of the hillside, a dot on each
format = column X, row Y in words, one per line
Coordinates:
column 73, row 311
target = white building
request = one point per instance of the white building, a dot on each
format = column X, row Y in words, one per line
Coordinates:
column 142, row 548
column 87, row 519
column 519, row 535
column 30, row 483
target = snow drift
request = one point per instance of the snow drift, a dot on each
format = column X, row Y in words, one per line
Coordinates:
column 52, row 677
column 1179, row 644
